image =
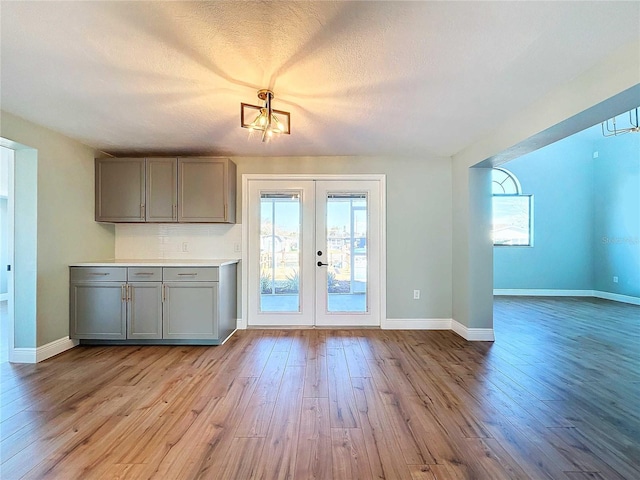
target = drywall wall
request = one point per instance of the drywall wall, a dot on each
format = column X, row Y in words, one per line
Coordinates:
column 418, row 227
column 616, row 215
column 66, row 231
column 25, row 247
column 560, row 178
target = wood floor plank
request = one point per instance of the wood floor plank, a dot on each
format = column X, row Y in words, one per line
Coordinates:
column 299, row 347
column 313, row 453
column 255, row 422
column 573, row 444
column 350, row 460
column 316, row 380
column 555, row 397
column 341, row 400
column 384, row 452
column 414, row 450
column 356, row 361
column 426, row 472
column 199, row 452
column 235, row 464
column 278, row 458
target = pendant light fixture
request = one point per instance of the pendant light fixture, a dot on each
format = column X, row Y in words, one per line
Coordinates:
column 264, row 118
column 610, row 129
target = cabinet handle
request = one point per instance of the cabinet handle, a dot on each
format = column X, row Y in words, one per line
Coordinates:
column 129, row 293
column 164, row 293
column 96, row 274
column 175, row 212
column 142, row 211
column 225, row 211
column 187, row 274
column 144, row 273
column 123, row 296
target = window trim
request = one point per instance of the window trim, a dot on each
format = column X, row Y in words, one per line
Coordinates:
column 519, row 193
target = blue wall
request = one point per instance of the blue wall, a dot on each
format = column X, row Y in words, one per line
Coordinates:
column 616, row 210
column 586, row 217
column 560, row 178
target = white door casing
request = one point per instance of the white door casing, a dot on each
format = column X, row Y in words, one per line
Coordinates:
column 312, row 191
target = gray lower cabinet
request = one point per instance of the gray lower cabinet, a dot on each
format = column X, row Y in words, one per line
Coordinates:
column 156, row 304
column 144, row 310
column 190, row 310
column 97, row 303
column 98, row 311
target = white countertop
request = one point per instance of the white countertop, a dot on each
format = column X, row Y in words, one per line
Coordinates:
column 157, row 263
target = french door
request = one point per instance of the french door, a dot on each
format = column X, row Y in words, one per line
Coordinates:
column 314, row 252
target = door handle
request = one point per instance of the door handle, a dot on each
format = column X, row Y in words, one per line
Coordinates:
column 320, row 264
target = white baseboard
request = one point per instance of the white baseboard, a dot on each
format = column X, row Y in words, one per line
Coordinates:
column 416, row 324
column 537, row 292
column 22, row 355
column 472, row 334
column 616, row 297
column 241, row 324
column 542, row 292
column 35, row 355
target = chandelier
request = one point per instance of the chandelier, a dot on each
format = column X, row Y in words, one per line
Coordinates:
column 264, row 118
column 610, row 129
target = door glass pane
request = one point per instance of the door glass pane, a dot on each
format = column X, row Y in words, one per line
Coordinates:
column 347, row 252
column 280, row 252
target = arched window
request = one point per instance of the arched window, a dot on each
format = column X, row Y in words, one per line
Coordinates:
column 512, row 211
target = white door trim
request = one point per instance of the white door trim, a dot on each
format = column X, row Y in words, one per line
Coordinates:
column 246, row 177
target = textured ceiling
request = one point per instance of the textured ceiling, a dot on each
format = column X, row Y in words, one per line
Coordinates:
column 359, row 78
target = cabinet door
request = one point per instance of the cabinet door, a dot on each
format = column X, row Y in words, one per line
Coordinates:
column 162, row 190
column 144, row 310
column 98, row 311
column 190, row 310
column 120, row 188
column 204, row 190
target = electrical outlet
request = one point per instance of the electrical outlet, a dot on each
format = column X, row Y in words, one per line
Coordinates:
column 615, row 279
column 416, row 294
column 185, row 247
column 236, row 247
column 596, row 154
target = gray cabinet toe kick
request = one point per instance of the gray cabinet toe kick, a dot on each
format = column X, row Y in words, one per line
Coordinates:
column 121, row 305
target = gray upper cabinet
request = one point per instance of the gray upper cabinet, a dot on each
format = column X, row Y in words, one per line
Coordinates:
column 166, row 190
column 206, row 190
column 162, row 190
column 120, row 189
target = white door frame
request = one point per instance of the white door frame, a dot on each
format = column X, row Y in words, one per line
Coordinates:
column 246, row 177
column 10, row 249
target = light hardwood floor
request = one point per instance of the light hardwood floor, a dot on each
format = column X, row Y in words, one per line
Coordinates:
column 556, row 396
